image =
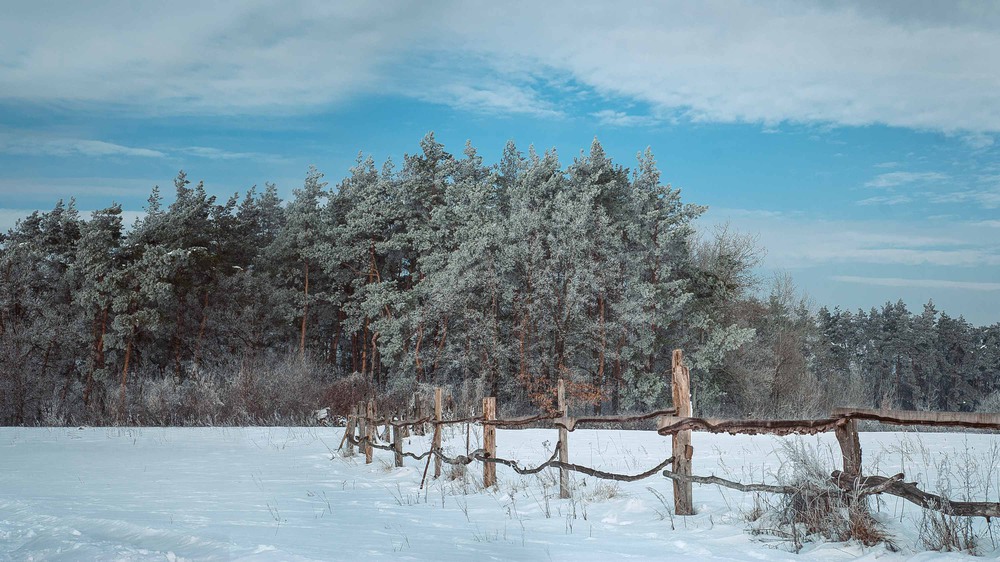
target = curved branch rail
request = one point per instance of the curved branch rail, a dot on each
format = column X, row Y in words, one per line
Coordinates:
column 669, row 425
column 481, row 456
column 908, row 491
column 571, row 423
column 975, row 420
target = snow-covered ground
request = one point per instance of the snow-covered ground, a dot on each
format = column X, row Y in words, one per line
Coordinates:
column 284, row 494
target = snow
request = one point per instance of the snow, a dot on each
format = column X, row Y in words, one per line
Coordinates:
column 284, row 494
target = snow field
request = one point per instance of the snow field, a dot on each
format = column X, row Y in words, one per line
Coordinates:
column 285, row 494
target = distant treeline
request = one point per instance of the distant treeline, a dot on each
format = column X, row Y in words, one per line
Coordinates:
column 490, row 280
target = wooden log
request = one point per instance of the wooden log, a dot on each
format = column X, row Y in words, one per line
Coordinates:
column 571, row 423
column 668, row 425
column 436, row 443
column 850, row 446
column 369, row 430
column 397, row 444
column 912, row 417
column 909, row 492
column 522, row 420
column 681, row 440
column 489, row 442
column 563, row 441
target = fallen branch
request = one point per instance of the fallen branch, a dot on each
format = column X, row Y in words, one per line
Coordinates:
column 909, row 492
column 856, row 487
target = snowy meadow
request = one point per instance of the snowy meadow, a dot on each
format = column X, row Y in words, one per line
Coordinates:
column 288, row 494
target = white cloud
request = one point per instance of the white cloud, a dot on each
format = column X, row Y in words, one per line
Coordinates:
column 613, row 118
column 918, row 66
column 886, row 200
column 494, row 98
column 65, row 188
column 796, row 242
column 220, row 154
column 32, row 144
column 848, row 64
column 978, row 141
column 923, row 283
column 894, row 179
column 986, row 198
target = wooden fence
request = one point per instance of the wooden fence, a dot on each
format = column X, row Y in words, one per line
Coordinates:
column 678, row 423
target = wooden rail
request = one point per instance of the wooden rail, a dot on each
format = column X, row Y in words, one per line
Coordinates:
column 669, row 425
column 910, row 417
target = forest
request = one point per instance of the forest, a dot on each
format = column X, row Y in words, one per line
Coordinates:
column 488, row 280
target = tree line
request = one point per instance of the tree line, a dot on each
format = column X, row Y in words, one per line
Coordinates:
column 442, row 271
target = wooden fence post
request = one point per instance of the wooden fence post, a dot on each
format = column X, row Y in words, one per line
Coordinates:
column 489, row 441
column 436, row 443
column 361, row 424
column 563, row 441
column 850, row 446
column 682, row 450
column 352, row 420
column 397, row 444
column 369, row 430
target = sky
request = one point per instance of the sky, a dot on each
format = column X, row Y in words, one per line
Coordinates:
column 857, row 142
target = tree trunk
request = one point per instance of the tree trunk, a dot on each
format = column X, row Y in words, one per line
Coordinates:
column 364, row 349
column 305, row 310
column 201, row 329
column 98, row 361
column 616, row 395
column 416, row 352
column 335, row 342
column 178, row 337
column 599, row 383
column 440, row 347
column 121, row 398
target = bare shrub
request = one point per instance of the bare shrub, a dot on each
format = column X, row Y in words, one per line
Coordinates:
column 340, row 395
column 818, row 508
column 947, row 533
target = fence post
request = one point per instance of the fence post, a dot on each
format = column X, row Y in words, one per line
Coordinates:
column 397, row 444
column 850, row 446
column 563, row 441
column 489, row 441
column 682, row 450
column 352, row 420
column 361, row 425
column 369, row 430
column 436, row 444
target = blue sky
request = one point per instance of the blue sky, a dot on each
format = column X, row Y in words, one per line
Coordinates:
column 857, row 141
